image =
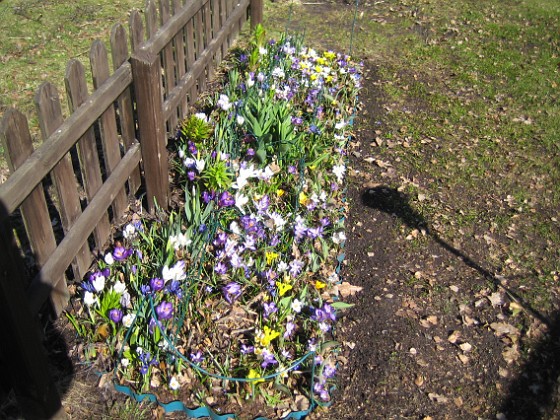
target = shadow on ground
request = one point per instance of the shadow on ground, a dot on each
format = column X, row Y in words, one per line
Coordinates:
column 535, row 391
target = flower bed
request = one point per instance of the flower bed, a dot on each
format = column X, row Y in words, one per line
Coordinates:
column 231, row 301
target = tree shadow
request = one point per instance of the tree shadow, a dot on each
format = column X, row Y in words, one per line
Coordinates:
column 34, row 361
column 533, row 394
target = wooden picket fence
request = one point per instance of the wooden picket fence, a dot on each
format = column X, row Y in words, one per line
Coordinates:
column 92, row 163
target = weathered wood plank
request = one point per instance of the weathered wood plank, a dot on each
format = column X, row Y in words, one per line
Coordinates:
column 61, row 258
column 34, row 210
column 173, row 26
column 200, row 46
column 207, row 18
column 107, row 125
column 76, row 90
column 26, row 366
column 150, row 13
column 40, row 163
column 191, row 57
column 180, row 59
column 49, row 111
column 168, row 63
column 257, row 11
column 189, row 79
column 119, row 52
column 216, row 16
column 146, row 72
column 19, row 146
column 136, row 30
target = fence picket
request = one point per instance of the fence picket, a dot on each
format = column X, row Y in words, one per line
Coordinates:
column 180, row 58
column 136, row 30
column 150, row 13
column 168, row 62
column 76, row 90
column 119, row 53
column 199, row 38
column 191, row 57
column 107, row 125
column 49, row 111
column 34, row 210
column 207, row 17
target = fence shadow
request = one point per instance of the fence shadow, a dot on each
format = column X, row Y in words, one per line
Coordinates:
column 533, row 394
column 34, row 361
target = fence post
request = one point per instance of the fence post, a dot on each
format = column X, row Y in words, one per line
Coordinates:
column 257, row 8
column 23, row 356
column 146, row 75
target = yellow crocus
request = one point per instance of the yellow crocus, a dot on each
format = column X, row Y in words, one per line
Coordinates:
column 253, row 374
column 271, row 257
column 320, row 285
column 302, row 198
column 283, row 288
column 267, row 336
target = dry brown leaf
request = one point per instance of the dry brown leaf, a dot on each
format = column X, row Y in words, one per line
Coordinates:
column 503, row 328
column 458, row 401
column 419, row 381
column 438, row 398
column 464, row 359
column 454, row 336
column 105, row 380
column 496, row 299
column 466, row 347
column 346, row 289
column 511, row 354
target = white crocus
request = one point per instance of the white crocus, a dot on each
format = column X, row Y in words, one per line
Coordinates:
column 297, row 305
column 127, row 321
column 109, row 260
column 240, row 120
column 338, row 237
column 98, row 283
column 339, row 171
column 241, row 201
column 200, row 164
column 90, row 298
column 119, row 287
column 174, row 384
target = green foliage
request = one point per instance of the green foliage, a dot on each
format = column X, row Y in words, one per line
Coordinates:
column 196, row 129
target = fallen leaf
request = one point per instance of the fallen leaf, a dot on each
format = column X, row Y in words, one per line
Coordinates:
column 105, row 380
column 458, row 401
column 454, row 336
column 464, row 359
column 346, row 289
column 466, row 347
column 454, row 288
column 503, row 328
column 496, row 299
column 419, row 381
column 437, row 398
column 511, row 354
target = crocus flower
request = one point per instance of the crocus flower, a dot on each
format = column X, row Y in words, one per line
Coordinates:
column 226, row 199
column 197, row 357
column 128, row 319
column 98, row 281
column 164, row 310
column 269, row 309
column 115, row 315
column 120, row 253
column 90, row 298
column 268, row 359
column 174, row 384
column 157, row 284
column 232, row 291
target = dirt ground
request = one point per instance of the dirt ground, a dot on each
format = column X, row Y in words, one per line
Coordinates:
column 432, row 334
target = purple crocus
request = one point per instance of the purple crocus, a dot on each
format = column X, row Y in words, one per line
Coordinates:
column 157, row 284
column 120, row 253
column 232, row 291
column 115, row 315
column 226, row 199
column 197, row 357
column 268, row 359
column 164, row 310
column 220, row 268
column 269, row 309
column 290, row 329
column 245, row 349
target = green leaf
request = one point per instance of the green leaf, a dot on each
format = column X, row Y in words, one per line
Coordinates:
column 341, row 305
